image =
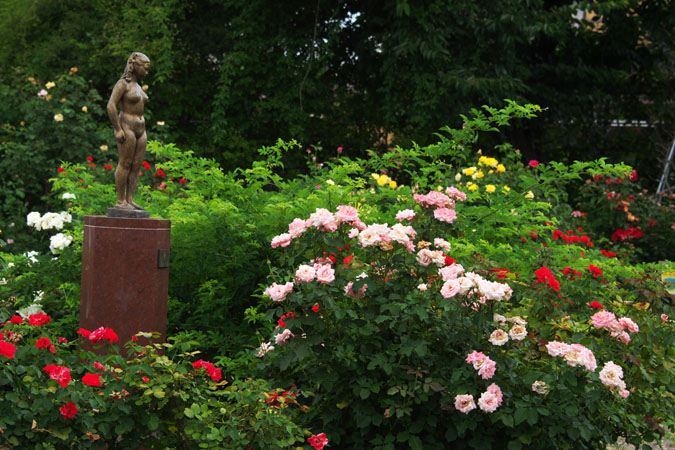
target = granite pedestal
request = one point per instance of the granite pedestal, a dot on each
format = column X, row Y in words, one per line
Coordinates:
column 125, row 275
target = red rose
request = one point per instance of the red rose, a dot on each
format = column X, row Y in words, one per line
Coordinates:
column 633, row 175
column 92, row 379
column 146, row 166
column 39, row 319
column 43, row 342
column 7, row 349
column 60, row 170
column 16, row 320
column 182, row 181
column 595, row 305
column 145, row 380
column 533, row 163
column 68, row 410
column 89, row 158
column 316, row 308
column 608, row 254
column 318, row 441
column 98, row 366
column 59, row 373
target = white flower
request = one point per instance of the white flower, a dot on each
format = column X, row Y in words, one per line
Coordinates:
column 58, row 117
column 264, row 348
column 33, row 219
column 611, row 375
column 422, row 287
column 28, row 311
column 331, row 182
column 59, row 242
column 442, row 244
column 67, row 196
column 38, row 296
column 31, row 256
column 160, row 123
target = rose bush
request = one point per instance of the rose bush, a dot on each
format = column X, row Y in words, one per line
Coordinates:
column 55, row 395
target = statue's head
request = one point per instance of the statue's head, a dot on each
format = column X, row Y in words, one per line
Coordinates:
column 137, row 63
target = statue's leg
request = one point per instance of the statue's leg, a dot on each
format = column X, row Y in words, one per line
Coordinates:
column 126, row 152
column 132, row 185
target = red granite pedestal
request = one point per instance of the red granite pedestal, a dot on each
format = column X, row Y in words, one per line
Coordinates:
column 125, row 275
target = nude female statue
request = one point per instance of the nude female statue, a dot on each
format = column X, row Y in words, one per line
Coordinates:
column 129, row 128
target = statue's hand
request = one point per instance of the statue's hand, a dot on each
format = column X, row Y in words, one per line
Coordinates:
column 119, row 136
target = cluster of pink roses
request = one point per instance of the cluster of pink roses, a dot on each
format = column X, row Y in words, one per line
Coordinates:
column 606, row 319
column 444, row 205
column 611, row 376
column 488, row 402
column 471, row 284
column 483, row 364
column 323, row 273
column 321, row 219
column 383, row 235
column 574, row 354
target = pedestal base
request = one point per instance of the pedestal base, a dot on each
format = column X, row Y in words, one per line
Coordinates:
column 129, row 213
column 125, row 275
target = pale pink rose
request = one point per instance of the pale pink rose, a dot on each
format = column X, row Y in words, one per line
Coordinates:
column 624, row 393
column 424, row 257
column 629, row 324
column 359, row 225
column 354, row 232
column 355, row 295
column 278, row 292
column 540, row 387
column 496, row 390
column 498, row 337
column 611, row 375
column 621, row 336
column 615, row 326
column 475, row 357
column 422, row 287
column 282, row 240
column 283, row 337
column 439, row 199
column 397, row 233
column 555, row 348
column 493, row 290
column 517, row 320
column 438, row 258
column 487, row 369
column 297, row 228
column 465, row 284
column 346, row 214
column 464, row 403
column 369, row 237
column 324, row 273
column 445, row 215
column 664, row 317
column 406, row 214
column 321, row 217
column 383, row 230
column 410, row 246
column 488, row 402
column 43, row 93
column 577, row 214
column 321, row 260
column 518, row 333
column 305, row 273
column 455, row 193
column 450, row 288
column 602, row 319
column 578, row 355
column 442, row 244
column 264, row 348
column 451, row 272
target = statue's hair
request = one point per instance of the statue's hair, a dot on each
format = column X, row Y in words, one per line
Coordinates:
column 128, row 70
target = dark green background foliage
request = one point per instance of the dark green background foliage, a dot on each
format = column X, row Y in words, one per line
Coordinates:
column 232, row 76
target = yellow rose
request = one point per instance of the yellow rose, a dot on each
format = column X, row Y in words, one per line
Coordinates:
column 392, row 184
column 84, row 109
column 383, row 180
column 145, row 87
column 473, row 187
column 529, row 195
column 490, row 188
column 480, row 174
column 469, row 171
column 501, row 168
column 32, row 81
column 104, row 148
column 506, row 189
column 58, row 117
column 50, row 84
column 331, row 182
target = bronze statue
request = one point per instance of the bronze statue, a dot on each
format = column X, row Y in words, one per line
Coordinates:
column 130, row 135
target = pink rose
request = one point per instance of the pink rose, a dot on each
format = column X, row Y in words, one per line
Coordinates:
column 346, row 214
column 455, row 193
column 324, row 273
column 305, row 273
column 496, row 390
column 451, row 272
column 602, row 319
column 282, row 240
column 297, row 228
column 533, row 163
column 475, row 357
column 278, row 292
column 353, row 233
column 488, row 402
column 355, row 295
column 487, row 369
column 555, row 348
column 406, row 214
column 450, row 288
column 629, row 324
column 445, row 215
column 424, row 257
column 283, row 337
column 464, row 403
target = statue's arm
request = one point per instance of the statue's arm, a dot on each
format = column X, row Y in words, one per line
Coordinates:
column 115, row 97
